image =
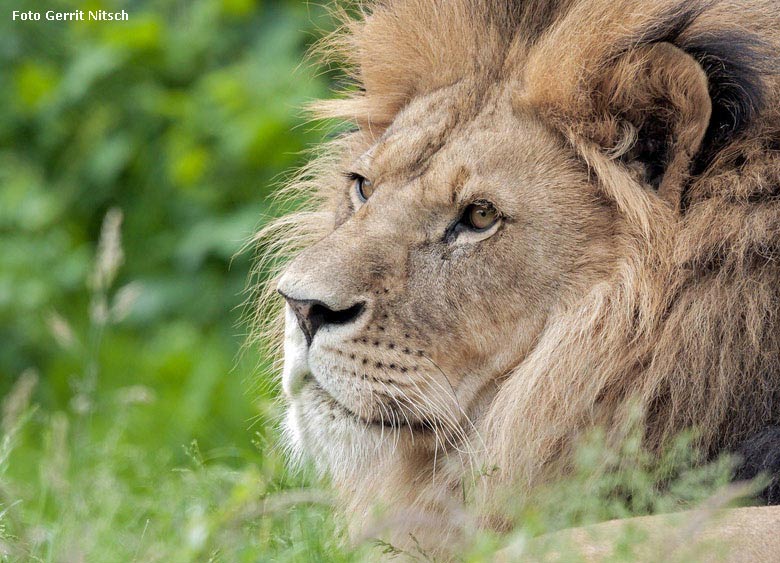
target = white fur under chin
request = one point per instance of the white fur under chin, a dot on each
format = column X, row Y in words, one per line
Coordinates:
column 296, row 362
column 341, row 448
column 309, row 431
column 294, row 373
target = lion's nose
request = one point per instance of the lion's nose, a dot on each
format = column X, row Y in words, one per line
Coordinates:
column 312, row 315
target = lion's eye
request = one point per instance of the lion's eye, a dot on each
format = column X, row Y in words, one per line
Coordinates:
column 363, row 187
column 480, row 216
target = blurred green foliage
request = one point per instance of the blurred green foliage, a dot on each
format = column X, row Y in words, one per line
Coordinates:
column 182, row 118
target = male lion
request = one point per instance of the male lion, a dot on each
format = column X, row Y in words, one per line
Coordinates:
column 548, row 212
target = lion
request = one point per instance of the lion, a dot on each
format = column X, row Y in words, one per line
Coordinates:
column 545, row 215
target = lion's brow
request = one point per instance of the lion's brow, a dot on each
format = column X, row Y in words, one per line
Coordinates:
column 458, row 180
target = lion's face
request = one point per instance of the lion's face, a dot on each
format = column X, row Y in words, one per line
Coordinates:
column 458, row 232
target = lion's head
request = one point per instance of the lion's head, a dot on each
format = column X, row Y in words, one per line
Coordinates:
column 547, row 211
column 454, row 239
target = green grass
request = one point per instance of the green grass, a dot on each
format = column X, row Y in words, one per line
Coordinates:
column 93, row 493
column 94, row 482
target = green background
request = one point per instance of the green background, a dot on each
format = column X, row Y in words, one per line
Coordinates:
column 146, row 434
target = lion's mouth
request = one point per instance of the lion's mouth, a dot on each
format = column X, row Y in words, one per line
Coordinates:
column 393, row 418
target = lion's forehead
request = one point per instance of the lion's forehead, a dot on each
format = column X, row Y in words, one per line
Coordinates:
column 437, row 141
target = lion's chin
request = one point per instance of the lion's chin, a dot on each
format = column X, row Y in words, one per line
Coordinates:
column 339, row 442
column 327, row 434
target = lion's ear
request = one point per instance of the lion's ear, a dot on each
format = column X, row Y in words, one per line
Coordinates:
column 654, row 110
column 666, row 86
column 649, row 106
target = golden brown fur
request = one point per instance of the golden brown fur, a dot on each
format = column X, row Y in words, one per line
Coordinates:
column 637, row 145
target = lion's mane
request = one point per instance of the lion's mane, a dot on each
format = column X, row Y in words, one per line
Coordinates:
column 688, row 328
